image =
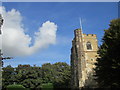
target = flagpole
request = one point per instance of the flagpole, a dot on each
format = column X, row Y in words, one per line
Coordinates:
column 80, row 20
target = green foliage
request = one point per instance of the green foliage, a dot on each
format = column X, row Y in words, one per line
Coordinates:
column 33, row 76
column 15, row 87
column 47, row 86
column 58, row 74
column 62, row 75
column 108, row 66
column 7, row 76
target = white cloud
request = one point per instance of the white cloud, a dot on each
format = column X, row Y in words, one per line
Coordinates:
column 16, row 42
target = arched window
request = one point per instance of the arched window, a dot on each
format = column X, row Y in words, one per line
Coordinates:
column 88, row 45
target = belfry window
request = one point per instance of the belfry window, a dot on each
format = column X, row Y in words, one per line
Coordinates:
column 88, row 45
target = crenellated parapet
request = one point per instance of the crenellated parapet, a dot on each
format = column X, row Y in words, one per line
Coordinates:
column 90, row 35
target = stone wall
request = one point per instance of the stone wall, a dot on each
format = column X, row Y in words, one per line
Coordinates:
column 83, row 56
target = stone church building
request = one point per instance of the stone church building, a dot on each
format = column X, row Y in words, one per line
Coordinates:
column 83, row 56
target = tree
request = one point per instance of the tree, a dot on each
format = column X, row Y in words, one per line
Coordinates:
column 108, row 63
column 57, row 74
column 62, row 75
column 47, row 73
column 28, row 76
column 7, row 76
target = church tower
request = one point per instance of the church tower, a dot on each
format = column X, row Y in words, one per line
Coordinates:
column 83, row 56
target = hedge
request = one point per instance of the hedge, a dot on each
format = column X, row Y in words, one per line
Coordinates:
column 47, row 86
column 15, row 87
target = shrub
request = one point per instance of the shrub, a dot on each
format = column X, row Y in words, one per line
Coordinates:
column 47, row 86
column 15, row 87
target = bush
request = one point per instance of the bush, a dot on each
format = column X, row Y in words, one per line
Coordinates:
column 15, row 87
column 47, row 86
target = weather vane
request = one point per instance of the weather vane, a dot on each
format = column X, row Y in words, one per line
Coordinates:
column 2, row 58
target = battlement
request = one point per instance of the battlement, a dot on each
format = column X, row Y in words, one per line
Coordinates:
column 77, row 29
column 79, row 32
column 90, row 35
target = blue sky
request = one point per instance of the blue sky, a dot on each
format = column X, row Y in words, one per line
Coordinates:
column 95, row 18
